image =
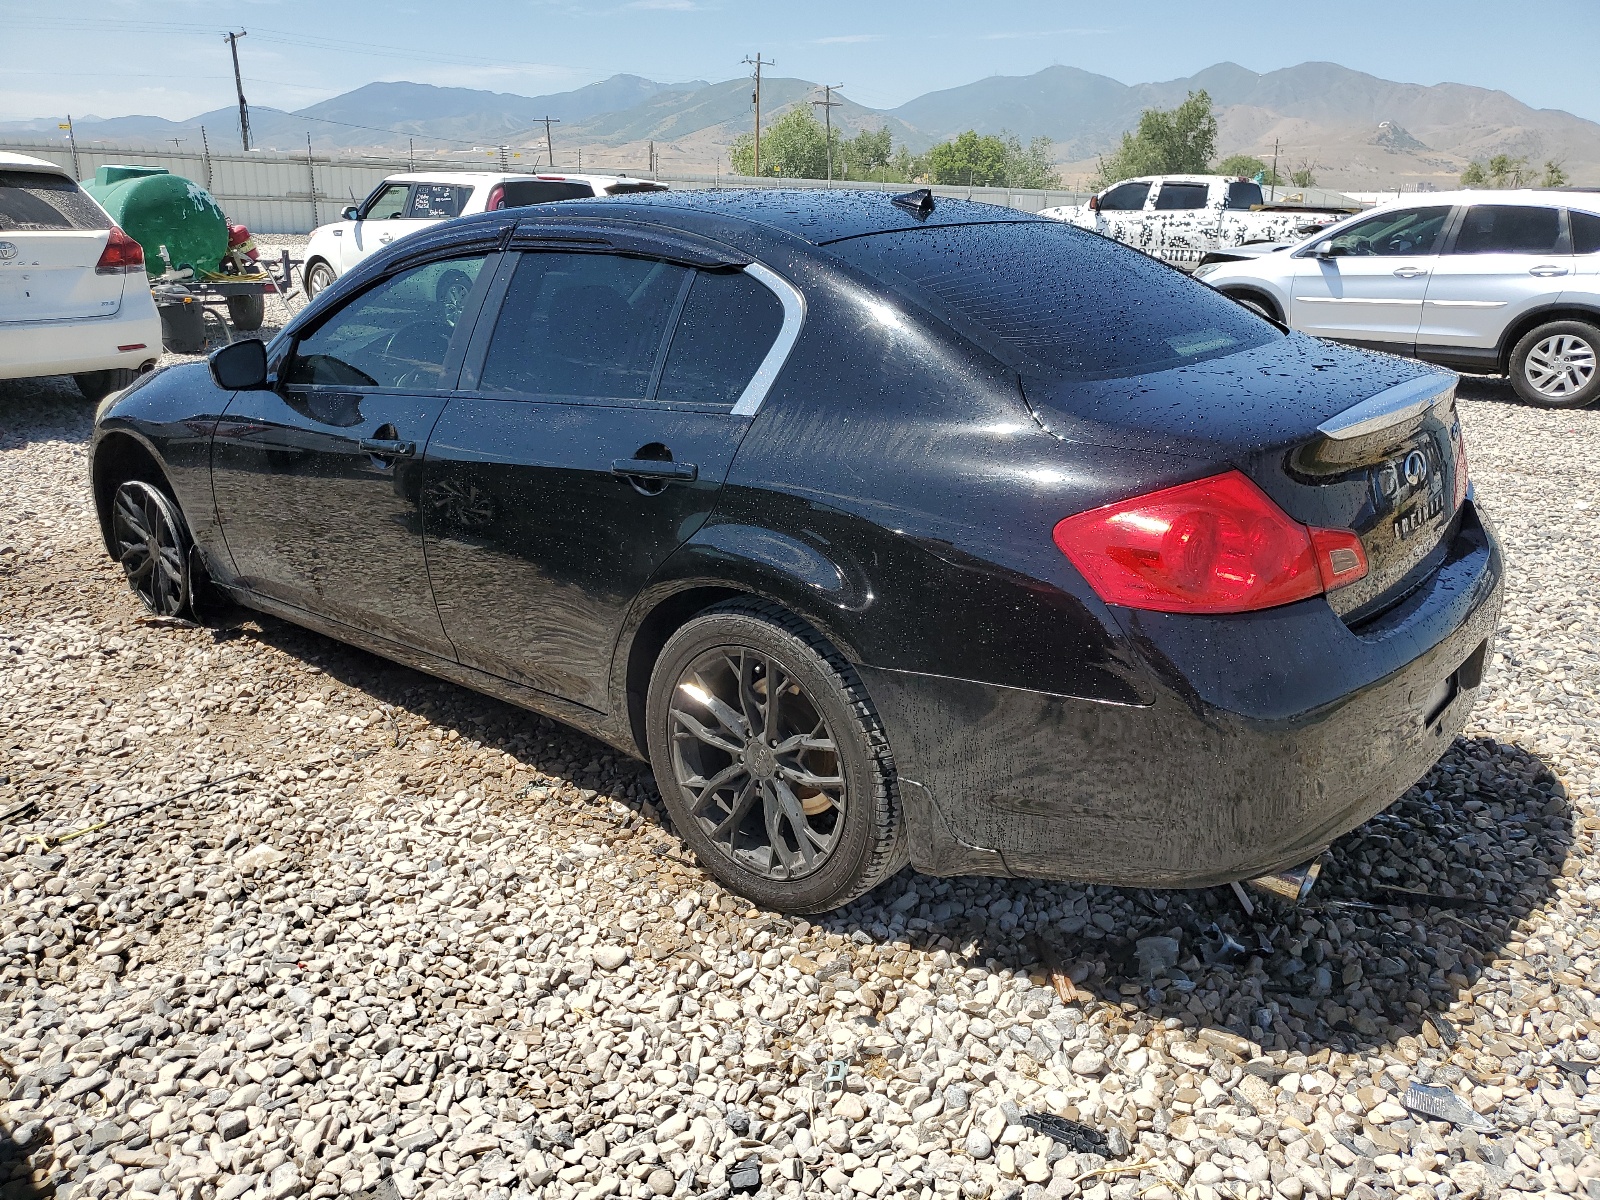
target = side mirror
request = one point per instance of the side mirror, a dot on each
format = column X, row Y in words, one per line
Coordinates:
column 1094, row 203
column 241, row 367
column 352, row 213
column 1323, row 250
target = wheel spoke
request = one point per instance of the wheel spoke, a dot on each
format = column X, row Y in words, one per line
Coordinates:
column 701, row 733
column 804, row 741
column 741, row 807
column 804, row 778
column 710, row 787
column 775, row 815
column 718, row 708
column 796, row 817
column 750, row 703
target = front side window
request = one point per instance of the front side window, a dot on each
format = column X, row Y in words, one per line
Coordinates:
column 36, row 201
column 1125, row 197
column 1174, row 196
column 1585, row 232
column 543, row 191
column 1509, row 229
column 729, row 323
column 585, row 326
column 1407, row 232
column 1058, row 300
column 395, row 334
column 1244, row 195
column 388, row 203
column 436, row 201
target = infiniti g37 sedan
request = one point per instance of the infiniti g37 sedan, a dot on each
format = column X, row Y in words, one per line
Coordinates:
column 887, row 529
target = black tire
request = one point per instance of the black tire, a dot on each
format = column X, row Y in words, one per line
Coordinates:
column 855, row 807
column 1557, row 365
column 153, row 545
column 97, row 385
column 1255, row 305
column 317, row 276
column 245, row 313
column 451, row 292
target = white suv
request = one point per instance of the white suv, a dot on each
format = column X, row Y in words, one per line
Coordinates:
column 407, row 204
column 1488, row 282
column 74, row 297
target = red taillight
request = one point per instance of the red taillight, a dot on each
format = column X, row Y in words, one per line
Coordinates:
column 497, row 198
column 1217, row 545
column 121, row 256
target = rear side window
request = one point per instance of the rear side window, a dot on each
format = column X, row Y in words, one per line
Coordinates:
column 1244, row 196
column 544, row 191
column 1509, row 229
column 32, row 201
column 1585, row 233
column 1181, row 196
column 587, row 326
column 431, row 201
column 1125, row 197
column 1060, row 300
column 634, row 188
column 728, row 324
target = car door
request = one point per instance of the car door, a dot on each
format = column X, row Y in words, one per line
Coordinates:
column 1122, row 212
column 1501, row 261
column 598, row 416
column 317, row 481
column 1186, row 225
column 374, row 226
column 1585, row 230
column 1368, row 284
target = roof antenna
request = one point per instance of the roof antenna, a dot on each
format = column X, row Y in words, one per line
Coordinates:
column 918, row 203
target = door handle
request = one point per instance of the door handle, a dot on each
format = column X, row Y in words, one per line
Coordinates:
column 384, row 448
column 1547, row 272
column 1410, row 272
column 653, row 468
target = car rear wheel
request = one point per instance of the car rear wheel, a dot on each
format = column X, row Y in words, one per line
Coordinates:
column 97, row 385
column 245, row 313
column 152, row 542
column 1555, row 365
column 1255, row 305
column 772, row 761
column 318, row 276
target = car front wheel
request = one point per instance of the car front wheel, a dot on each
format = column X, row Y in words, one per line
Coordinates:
column 1555, row 365
column 152, row 542
column 319, row 276
column 772, row 761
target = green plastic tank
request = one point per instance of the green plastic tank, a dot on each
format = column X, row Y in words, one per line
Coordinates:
column 157, row 208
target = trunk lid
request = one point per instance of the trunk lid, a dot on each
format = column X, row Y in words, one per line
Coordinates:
column 1339, row 438
column 51, row 277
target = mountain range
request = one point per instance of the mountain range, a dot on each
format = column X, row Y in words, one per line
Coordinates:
column 1356, row 130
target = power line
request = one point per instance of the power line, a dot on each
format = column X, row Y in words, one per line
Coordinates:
column 828, row 104
column 757, row 62
column 548, row 144
column 244, row 109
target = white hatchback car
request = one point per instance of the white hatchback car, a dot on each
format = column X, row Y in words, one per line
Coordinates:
column 74, row 298
column 1489, row 282
column 407, row 204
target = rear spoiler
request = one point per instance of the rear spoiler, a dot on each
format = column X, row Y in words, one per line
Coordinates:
column 1392, row 406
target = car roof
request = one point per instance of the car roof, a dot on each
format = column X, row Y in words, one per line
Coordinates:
column 30, row 163
column 473, row 177
column 1542, row 197
column 819, row 216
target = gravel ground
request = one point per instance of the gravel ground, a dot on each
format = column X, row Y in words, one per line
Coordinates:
column 282, row 919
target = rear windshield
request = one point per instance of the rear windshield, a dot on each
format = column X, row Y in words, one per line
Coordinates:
column 631, row 189
column 1058, row 300
column 38, row 200
column 544, row 191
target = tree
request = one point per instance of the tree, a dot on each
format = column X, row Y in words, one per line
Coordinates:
column 1167, row 142
column 1503, row 171
column 1250, row 167
column 1303, row 176
column 1474, row 175
column 987, row 160
column 1554, row 174
column 795, row 146
column 1030, row 166
column 866, row 154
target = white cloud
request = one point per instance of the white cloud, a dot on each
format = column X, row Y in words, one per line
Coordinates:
column 848, row 39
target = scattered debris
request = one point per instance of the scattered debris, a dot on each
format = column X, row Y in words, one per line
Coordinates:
column 1265, row 1068
column 1233, row 1043
column 1244, row 899
column 1446, row 1031
column 1219, row 946
column 834, row 1073
column 1400, row 895
column 1075, row 1135
column 1441, row 1104
column 1157, row 955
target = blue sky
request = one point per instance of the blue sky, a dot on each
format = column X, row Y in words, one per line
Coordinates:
column 167, row 58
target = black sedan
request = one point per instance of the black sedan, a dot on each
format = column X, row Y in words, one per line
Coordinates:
column 887, row 528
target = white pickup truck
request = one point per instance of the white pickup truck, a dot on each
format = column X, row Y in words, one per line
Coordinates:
column 1181, row 218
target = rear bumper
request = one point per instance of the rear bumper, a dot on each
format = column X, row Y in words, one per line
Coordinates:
column 1271, row 734
column 72, row 347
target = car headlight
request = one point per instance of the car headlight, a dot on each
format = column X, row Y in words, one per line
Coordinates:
column 1205, row 269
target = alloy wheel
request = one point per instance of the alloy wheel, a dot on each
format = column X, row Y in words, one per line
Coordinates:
column 757, row 763
column 151, row 545
column 320, row 277
column 1560, row 365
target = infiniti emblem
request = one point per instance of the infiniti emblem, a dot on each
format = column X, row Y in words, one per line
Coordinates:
column 1416, row 467
column 8, row 251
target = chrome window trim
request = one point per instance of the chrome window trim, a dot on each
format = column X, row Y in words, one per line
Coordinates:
column 794, row 316
column 1391, row 406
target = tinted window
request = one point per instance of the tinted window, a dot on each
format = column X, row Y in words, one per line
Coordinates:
column 1060, row 299
column 728, row 324
column 37, row 200
column 542, row 191
column 1244, row 195
column 1393, row 234
column 1509, row 229
column 436, row 200
column 1125, row 197
column 1585, row 232
column 1181, row 195
column 393, row 335
column 584, row 325
column 389, row 202
column 632, row 188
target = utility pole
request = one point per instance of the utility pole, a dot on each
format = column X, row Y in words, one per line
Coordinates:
column 244, row 109
column 828, row 104
column 758, row 62
column 72, row 140
column 205, row 150
column 549, row 146
column 1274, row 183
column 652, row 158
column 411, row 154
